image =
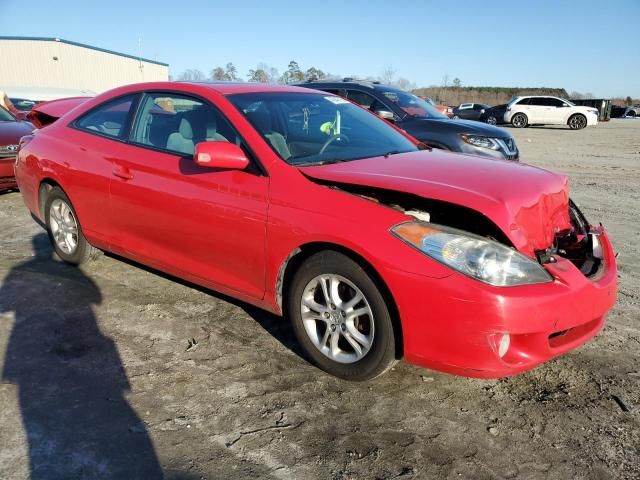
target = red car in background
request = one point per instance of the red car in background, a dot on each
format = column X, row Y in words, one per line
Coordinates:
column 311, row 207
column 11, row 130
column 444, row 109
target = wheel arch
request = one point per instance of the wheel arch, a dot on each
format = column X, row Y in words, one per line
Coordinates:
column 44, row 189
column 294, row 260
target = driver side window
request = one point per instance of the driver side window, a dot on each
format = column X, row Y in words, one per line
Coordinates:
column 177, row 123
column 555, row 102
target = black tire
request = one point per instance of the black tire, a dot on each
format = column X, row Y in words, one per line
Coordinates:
column 519, row 120
column 83, row 251
column 381, row 355
column 577, row 121
column 492, row 120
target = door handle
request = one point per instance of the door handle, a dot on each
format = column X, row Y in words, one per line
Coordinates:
column 122, row 173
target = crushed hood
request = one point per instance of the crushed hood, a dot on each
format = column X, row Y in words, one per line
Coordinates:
column 528, row 204
column 46, row 113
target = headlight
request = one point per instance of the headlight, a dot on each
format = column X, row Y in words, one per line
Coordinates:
column 480, row 258
column 479, row 141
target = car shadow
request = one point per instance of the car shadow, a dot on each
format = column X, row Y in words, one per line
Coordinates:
column 276, row 326
column 70, row 379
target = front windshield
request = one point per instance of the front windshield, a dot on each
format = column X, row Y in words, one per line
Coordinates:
column 414, row 106
column 313, row 129
column 6, row 116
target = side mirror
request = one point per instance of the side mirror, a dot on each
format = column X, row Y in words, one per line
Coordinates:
column 386, row 114
column 220, row 155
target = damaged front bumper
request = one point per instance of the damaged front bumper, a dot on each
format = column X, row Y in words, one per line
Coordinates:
column 452, row 324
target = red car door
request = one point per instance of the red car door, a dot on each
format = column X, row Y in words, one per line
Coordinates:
column 178, row 216
column 89, row 148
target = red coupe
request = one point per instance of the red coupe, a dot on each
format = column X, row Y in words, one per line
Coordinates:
column 311, row 207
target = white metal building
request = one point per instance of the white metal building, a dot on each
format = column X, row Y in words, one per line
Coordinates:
column 53, row 62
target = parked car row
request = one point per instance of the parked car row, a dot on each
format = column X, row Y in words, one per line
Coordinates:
column 523, row 111
column 420, row 119
column 329, row 206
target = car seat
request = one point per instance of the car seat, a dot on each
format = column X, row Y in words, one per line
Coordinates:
column 261, row 120
column 195, row 126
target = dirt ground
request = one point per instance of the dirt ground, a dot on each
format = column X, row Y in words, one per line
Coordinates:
column 113, row 371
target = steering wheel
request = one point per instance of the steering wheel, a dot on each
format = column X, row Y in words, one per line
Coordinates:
column 330, row 140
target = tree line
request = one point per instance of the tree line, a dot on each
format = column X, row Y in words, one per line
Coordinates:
column 455, row 95
column 264, row 73
column 450, row 92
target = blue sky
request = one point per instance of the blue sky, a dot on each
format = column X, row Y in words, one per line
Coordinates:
column 586, row 46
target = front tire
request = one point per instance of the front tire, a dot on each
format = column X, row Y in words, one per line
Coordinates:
column 491, row 120
column 519, row 120
column 341, row 318
column 64, row 230
column 577, row 121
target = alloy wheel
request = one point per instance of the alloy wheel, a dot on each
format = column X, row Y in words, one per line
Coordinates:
column 64, row 226
column 519, row 120
column 337, row 318
column 577, row 122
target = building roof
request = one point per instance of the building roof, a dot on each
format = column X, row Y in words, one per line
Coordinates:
column 82, row 45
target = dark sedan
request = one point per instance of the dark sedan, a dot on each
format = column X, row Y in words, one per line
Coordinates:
column 469, row 111
column 11, row 131
column 494, row 115
column 421, row 120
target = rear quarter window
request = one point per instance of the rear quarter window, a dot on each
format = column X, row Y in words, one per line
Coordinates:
column 108, row 119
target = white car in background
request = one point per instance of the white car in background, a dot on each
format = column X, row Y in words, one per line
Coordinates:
column 524, row 111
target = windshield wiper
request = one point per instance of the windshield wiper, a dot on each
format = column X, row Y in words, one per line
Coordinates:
column 392, row 152
column 322, row 162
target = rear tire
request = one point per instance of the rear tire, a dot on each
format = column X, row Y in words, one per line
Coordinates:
column 64, row 230
column 519, row 120
column 577, row 121
column 353, row 341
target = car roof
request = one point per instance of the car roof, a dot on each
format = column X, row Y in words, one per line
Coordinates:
column 538, row 96
column 229, row 88
column 345, row 82
column 221, row 88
